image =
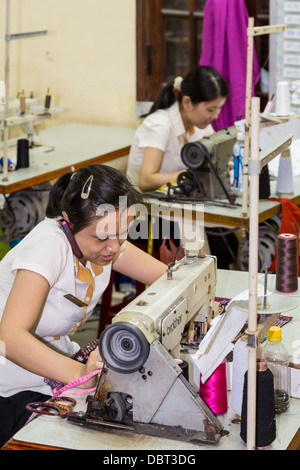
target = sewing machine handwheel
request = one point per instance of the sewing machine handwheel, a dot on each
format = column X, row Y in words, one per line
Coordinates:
column 193, row 155
column 123, row 347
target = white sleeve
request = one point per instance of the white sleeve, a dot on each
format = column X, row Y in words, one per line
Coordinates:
column 155, row 131
column 44, row 255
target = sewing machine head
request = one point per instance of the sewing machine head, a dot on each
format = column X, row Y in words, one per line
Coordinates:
column 141, row 388
column 207, row 162
column 184, row 293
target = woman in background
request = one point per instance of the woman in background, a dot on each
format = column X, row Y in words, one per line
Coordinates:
column 182, row 113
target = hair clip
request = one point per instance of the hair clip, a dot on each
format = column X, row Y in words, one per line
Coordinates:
column 177, row 83
column 86, row 191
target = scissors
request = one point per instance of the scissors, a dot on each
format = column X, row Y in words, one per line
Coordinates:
column 52, row 407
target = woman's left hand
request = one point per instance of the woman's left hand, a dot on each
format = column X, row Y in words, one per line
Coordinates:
column 94, row 363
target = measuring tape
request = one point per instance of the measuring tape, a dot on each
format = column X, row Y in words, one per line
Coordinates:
column 77, row 383
column 55, row 408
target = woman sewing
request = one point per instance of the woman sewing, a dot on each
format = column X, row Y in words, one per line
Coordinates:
column 52, row 280
column 182, row 113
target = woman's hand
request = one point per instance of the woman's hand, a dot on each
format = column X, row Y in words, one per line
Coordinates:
column 94, row 363
column 21, row 315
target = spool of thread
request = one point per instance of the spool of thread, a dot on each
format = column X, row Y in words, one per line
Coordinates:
column 283, row 102
column 265, row 407
column 22, row 103
column 285, row 180
column 239, row 368
column 47, row 100
column 287, row 263
column 214, row 390
column 22, row 154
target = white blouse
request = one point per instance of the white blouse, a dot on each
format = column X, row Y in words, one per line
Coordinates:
column 46, row 251
column 164, row 130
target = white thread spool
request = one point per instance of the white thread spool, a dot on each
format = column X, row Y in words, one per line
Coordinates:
column 239, row 368
column 283, row 102
column 285, row 180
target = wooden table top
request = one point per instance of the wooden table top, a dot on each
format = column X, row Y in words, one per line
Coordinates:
column 67, row 147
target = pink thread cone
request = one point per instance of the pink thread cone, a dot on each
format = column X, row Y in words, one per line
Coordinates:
column 214, row 390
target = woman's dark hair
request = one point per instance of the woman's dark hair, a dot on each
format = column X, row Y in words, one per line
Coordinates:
column 203, row 83
column 107, row 186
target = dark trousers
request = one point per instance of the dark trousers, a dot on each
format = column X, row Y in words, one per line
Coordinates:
column 13, row 413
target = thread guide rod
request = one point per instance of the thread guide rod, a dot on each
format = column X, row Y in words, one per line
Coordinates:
column 266, row 286
column 12, row 37
column 253, row 269
column 252, row 31
column 8, row 38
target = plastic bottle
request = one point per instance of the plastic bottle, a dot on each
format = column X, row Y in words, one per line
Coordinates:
column 278, row 362
column 238, row 161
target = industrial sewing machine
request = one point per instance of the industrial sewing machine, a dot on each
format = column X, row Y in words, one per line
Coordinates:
column 142, row 389
column 206, row 177
column 25, row 114
column 22, row 210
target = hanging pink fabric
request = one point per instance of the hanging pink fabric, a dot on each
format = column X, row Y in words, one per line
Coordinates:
column 214, row 390
column 224, row 47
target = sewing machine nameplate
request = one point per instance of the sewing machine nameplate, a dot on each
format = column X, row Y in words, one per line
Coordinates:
column 173, row 325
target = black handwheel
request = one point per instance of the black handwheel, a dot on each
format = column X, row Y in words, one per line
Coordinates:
column 194, row 155
column 123, row 347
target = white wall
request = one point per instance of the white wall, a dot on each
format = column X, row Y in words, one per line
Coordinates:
column 88, row 58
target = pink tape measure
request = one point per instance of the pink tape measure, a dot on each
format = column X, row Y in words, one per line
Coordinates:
column 77, row 383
